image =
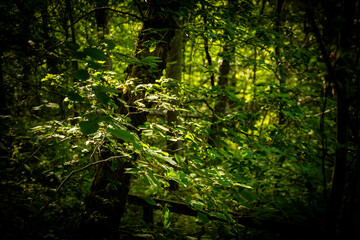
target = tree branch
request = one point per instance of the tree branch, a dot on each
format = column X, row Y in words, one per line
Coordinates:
column 90, row 12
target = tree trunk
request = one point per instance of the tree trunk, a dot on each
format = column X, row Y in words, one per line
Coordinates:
column 223, row 81
column 174, row 71
column 156, row 17
column 280, row 64
column 343, row 77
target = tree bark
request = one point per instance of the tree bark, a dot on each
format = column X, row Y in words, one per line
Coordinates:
column 223, row 81
column 343, row 78
column 156, row 17
column 174, row 71
column 280, row 64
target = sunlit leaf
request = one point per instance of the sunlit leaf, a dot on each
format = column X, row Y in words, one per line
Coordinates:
column 150, row 201
column 166, row 214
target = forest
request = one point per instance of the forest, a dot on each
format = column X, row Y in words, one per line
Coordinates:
column 180, row 119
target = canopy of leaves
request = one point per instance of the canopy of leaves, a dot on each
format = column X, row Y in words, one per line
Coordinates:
column 256, row 141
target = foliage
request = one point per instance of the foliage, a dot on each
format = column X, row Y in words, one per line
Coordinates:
column 67, row 111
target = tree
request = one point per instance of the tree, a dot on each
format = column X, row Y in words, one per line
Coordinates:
column 239, row 115
column 156, row 19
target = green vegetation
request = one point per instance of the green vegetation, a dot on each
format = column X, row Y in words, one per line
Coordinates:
column 169, row 119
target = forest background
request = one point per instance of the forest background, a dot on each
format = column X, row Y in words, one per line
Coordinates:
column 168, row 119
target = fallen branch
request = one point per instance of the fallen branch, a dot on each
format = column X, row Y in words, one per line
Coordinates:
column 284, row 228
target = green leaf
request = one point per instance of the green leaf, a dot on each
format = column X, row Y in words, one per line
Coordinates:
column 203, row 217
column 178, row 158
column 109, row 43
column 72, row 46
column 79, row 55
column 150, row 201
column 126, row 136
column 247, row 195
column 218, row 215
column 107, row 89
column 122, row 134
column 73, row 96
column 183, row 179
column 167, row 220
column 101, row 96
column 152, row 48
column 224, row 183
column 94, row 65
column 106, row 119
column 88, row 127
column 153, row 178
column 96, row 54
column 81, row 74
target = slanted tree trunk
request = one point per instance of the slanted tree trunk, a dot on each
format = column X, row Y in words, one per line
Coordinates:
column 156, row 17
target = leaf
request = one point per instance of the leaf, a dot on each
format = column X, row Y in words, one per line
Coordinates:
column 94, row 65
column 162, row 156
column 107, row 89
column 106, row 119
column 72, row 46
column 101, row 96
column 154, row 59
column 122, row 134
column 178, row 158
column 73, row 96
column 167, row 220
column 109, row 43
column 152, row 48
column 224, row 183
column 96, row 54
column 197, row 204
column 150, row 201
column 152, row 177
column 88, row 127
column 81, row 74
column 247, row 195
column 218, row 215
column 183, row 179
column 203, row 217
column 79, row 55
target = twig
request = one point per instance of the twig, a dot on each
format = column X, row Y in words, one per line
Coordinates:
column 86, row 167
column 35, row 152
column 138, row 6
column 90, row 12
column 68, row 177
